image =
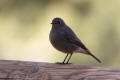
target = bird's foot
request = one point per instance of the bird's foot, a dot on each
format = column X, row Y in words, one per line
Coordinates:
column 62, row 63
column 68, row 63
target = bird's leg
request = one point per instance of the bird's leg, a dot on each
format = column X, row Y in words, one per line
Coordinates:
column 68, row 59
column 63, row 61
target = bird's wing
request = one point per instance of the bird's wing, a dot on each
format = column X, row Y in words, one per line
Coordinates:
column 72, row 38
column 77, row 42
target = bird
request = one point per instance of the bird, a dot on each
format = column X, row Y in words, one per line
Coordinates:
column 65, row 40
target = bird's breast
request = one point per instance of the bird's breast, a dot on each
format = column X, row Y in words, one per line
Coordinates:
column 56, row 39
column 59, row 41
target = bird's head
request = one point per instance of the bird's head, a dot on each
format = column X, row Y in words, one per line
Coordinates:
column 57, row 22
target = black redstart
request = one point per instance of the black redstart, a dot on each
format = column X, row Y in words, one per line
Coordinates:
column 64, row 39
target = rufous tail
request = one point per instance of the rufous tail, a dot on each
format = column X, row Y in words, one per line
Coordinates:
column 89, row 53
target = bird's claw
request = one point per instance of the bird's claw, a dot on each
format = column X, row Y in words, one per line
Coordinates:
column 68, row 63
column 62, row 63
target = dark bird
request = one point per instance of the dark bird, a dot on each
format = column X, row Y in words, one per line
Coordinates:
column 64, row 39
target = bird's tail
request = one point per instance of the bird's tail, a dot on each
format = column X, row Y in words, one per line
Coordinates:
column 86, row 51
column 89, row 53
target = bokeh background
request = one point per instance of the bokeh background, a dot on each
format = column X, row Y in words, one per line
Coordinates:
column 25, row 27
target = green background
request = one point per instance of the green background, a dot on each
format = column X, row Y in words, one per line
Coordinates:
column 25, row 27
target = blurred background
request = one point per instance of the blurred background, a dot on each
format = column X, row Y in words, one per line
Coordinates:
column 25, row 27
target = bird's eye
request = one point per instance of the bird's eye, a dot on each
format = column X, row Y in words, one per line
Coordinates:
column 57, row 22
